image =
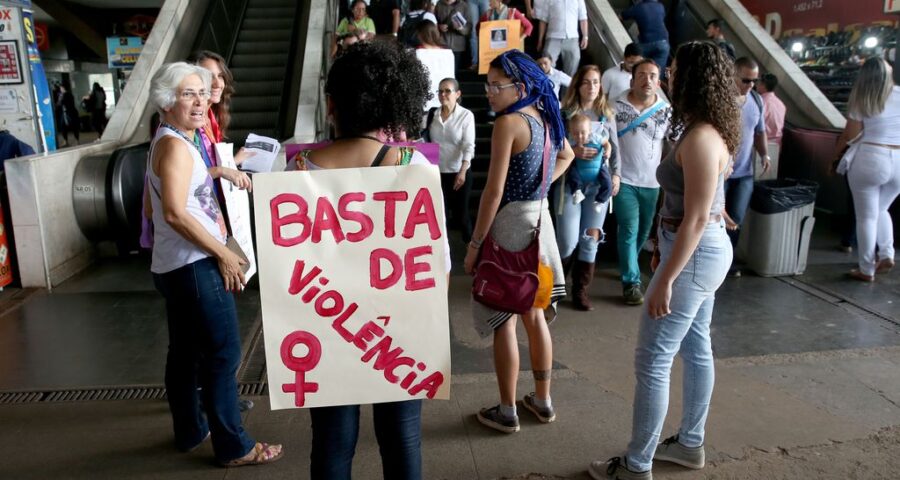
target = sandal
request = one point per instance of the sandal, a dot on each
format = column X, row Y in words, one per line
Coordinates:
column 885, row 265
column 862, row 277
column 262, row 453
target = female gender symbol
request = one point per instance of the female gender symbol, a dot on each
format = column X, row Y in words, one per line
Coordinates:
column 300, row 365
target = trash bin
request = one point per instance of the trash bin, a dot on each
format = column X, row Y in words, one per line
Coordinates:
column 776, row 231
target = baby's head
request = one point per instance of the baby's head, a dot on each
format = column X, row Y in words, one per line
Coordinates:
column 579, row 129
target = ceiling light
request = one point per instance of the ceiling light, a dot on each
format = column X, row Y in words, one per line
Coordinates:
column 797, row 47
column 871, row 42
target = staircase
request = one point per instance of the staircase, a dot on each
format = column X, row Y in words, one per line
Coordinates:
column 473, row 98
column 261, row 67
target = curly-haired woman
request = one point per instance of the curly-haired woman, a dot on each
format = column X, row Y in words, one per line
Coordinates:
column 372, row 89
column 580, row 224
column 512, row 201
column 691, row 262
column 874, row 174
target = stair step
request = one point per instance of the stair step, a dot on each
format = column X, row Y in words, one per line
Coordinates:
column 259, row 88
column 270, row 12
column 243, row 103
column 245, row 120
column 276, row 23
column 264, row 35
column 271, row 3
column 259, row 60
column 256, row 74
column 256, row 47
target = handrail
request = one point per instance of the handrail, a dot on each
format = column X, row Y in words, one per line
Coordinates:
column 223, row 18
column 290, row 93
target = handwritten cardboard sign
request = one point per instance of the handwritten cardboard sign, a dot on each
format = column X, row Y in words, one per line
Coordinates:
column 353, row 285
column 496, row 37
column 237, row 204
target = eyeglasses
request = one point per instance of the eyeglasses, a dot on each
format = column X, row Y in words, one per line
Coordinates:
column 495, row 89
column 190, row 95
column 445, row 91
column 749, row 80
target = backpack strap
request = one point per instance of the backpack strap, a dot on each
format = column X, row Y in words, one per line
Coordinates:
column 758, row 100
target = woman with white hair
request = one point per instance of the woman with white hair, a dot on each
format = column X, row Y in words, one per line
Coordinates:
column 196, row 273
column 874, row 174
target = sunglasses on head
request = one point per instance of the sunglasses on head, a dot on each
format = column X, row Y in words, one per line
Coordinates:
column 749, row 80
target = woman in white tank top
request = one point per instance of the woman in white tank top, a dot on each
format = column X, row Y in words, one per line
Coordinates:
column 196, row 274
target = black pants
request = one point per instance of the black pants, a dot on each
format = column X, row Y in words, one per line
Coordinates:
column 456, row 204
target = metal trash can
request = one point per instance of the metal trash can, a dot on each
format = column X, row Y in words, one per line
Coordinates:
column 776, row 231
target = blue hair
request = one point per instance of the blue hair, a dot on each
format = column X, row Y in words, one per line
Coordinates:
column 539, row 90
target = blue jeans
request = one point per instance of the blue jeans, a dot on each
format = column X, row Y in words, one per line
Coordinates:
column 635, row 207
column 737, row 198
column 205, row 351
column 684, row 330
column 657, row 51
column 398, row 428
column 575, row 220
column 476, row 10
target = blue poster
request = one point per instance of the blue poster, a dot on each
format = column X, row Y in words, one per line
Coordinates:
column 39, row 81
column 123, row 52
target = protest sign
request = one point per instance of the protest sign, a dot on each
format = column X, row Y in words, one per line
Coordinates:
column 237, row 204
column 496, row 37
column 353, row 285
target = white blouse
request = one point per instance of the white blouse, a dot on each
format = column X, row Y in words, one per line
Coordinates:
column 456, row 137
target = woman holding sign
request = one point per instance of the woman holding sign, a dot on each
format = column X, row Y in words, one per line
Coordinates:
column 514, row 199
column 361, row 111
column 195, row 272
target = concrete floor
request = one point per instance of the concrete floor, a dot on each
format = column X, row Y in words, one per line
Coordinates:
column 808, row 385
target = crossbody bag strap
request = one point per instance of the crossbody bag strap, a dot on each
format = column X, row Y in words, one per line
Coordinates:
column 545, row 175
column 639, row 120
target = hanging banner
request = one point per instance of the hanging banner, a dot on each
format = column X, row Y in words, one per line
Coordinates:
column 788, row 18
column 496, row 37
column 39, row 82
column 353, row 285
column 123, row 52
column 891, row 6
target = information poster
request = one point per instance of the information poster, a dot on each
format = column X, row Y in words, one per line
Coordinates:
column 495, row 38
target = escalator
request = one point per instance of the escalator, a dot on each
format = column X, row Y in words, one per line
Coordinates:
column 263, row 44
column 686, row 20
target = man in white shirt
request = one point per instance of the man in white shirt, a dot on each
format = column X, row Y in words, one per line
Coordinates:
column 617, row 80
column 642, row 120
column 558, row 29
column 558, row 78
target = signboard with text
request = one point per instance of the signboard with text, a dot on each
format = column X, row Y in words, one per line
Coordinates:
column 891, row 6
column 353, row 285
column 123, row 52
column 787, row 18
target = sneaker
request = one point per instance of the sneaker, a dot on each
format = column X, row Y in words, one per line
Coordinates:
column 545, row 415
column 670, row 450
column 615, row 469
column 633, row 294
column 491, row 417
column 245, row 405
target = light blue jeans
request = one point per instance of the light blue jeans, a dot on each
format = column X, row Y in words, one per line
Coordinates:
column 575, row 220
column 476, row 10
column 685, row 330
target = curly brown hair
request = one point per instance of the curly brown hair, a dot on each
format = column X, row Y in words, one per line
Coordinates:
column 703, row 90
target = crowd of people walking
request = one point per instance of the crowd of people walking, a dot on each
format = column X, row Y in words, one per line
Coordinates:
column 683, row 163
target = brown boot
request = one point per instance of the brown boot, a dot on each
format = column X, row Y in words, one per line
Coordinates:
column 582, row 275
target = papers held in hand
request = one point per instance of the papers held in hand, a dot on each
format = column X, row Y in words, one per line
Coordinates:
column 264, row 150
column 232, row 244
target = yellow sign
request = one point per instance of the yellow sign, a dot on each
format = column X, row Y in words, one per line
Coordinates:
column 495, row 38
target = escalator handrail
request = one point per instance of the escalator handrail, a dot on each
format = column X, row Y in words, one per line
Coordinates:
column 240, row 21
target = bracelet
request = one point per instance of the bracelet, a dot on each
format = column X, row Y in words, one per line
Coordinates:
column 476, row 243
column 473, row 246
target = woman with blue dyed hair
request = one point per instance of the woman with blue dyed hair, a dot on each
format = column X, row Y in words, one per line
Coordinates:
column 513, row 200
